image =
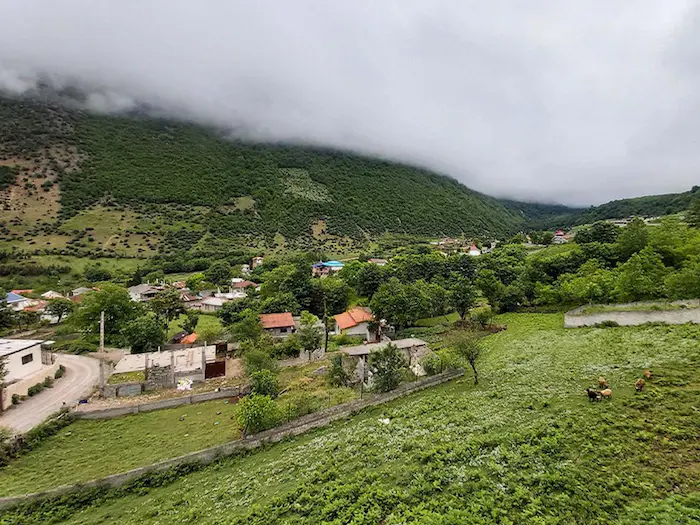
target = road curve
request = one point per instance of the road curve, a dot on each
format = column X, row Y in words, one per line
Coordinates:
column 82, row 374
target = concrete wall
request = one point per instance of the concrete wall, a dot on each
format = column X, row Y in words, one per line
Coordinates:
column 576, row 318
column 20, row 387
column 361, row 330
column 293, row 428
column 17, row 370
column 109, row 413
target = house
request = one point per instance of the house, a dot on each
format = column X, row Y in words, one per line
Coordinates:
column 211, row 304
column 257, row 261
column 231, row 295
column 242, row 284
column 80, row 291
column 22, row 357
column 278, row 325
column 355, row 322
column 17, row 302
column 23, row 291
column 322, row 269
column 142, row 292
column 412, row 349
column 51, row 295
column 378, row 262
column 245, row 269
column 474, row 251
column 560, row 237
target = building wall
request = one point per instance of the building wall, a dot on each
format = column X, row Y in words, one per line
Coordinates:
column 361, row 330
column 278, row 332
column 20, row 387
column 17, row 370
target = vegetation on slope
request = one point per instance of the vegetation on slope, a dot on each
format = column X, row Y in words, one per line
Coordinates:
column 525, row 446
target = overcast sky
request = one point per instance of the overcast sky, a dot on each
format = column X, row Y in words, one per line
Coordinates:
column 571, row 101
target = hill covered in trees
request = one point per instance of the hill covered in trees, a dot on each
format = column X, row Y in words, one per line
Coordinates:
column 190, row 182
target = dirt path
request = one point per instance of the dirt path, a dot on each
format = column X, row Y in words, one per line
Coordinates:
column 82, row 373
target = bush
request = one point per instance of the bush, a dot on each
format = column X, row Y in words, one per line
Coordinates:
column 35, row 389
column 289, row 347
column 607, row 324
column 75, row 346
column 60, row 372
column 432, row 364
column 16, row 398
column 48, row 382
column 387, row 366
column 338, row 375
column 482, row 318
column 345, row 340
column 257, row 413
column 256, row 359
column 265, row 383
column 300, row 404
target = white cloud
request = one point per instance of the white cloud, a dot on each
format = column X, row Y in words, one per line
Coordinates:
column 576, row 102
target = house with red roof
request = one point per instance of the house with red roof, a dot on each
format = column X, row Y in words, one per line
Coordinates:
column 355, row 322
column 278, row 325
column 474, row 250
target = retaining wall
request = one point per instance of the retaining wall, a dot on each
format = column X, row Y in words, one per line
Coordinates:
column 576, row 318
column 22, row 386
column 290, row 429
column 109, row 413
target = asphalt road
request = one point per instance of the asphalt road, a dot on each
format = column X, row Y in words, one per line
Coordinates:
column 82, row 373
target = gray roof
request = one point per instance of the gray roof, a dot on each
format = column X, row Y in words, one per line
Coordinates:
column 81, row 290
column 375, row 347
column 10, row 346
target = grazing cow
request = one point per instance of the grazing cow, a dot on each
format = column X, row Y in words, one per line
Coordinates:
column 607, row 393
column 602, row 382
column 593, row 395
column 647, row 374
column 639, row 385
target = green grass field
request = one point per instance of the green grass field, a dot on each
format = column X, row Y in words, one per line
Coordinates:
column 206, row 324
column 524, row 446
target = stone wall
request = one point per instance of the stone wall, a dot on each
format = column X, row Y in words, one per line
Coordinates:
column 293, row 428
column 690, row 314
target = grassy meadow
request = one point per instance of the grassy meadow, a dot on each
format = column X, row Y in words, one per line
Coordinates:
column 524, row 446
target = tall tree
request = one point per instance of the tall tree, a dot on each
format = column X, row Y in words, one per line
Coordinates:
column 467, row 346
column 144, row 334
column 692, row 217
column 117, row 305
column 219, row 273
column 642, row 277
column 633, row 238
column 167, row 305
column 462, row 296
column 309, row 333
column 60, row 308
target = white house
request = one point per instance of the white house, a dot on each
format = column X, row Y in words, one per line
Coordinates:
column 355, row 322
column 211, row 304
column 17, row 302
column 22, row 357
column 51, row 295
column 142, row 292
column 474, row 251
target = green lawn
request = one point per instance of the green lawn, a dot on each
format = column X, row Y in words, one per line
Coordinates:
column 524, row 446
column 207, row 323
column 440, row 320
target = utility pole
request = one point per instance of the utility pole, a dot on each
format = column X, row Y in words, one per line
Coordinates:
column 102, row 349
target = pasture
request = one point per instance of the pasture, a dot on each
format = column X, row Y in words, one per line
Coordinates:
column 524, row 446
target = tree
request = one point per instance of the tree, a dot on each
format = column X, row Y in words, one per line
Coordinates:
column 144, row 334
column 7, row 316
column 60, row 308
column 467, row 346
column 369, row 278
column 387, row 365
column 234, row 311
column 191, row 322
column 264, row 382
column 280, row 302
column 542, row 237
column 96, row 273
column 685, row 284
column 219, row 273
column 330, row 295
column 692, row 217
column 309, row 334
column 394, row 302
column 167, row 305
column 642, row 277
column 339, row 375
column 462, row 296
column 248, row 328
column 196, row 282
column 633, row 238
column 601, row 231
column 490, row 286
column 256, row 356
column 24, row 319
column 156, row 276
column 257, row 413
column 117, row 305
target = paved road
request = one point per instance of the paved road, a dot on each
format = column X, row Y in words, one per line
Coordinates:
column 82, row 373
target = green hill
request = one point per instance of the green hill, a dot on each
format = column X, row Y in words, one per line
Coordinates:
column 173, row 184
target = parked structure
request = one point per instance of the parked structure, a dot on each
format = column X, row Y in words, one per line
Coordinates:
column 278, row 325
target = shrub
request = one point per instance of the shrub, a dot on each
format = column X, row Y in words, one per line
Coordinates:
column 265, row 383
column 432, row 364
column 387, row 365
column 35, row 389
column 482, row 318
column 338, row 375
column 16, row 399
column 289, row 347
column 48, row 382
column 60, row 372
column 345, row 340
column 300, row 404
column 256, row 359
column 257, row 413
column 607, row 324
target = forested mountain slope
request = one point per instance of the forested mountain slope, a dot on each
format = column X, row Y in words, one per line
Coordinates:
column 201, row 182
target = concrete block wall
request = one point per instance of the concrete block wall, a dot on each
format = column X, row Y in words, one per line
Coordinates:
column 691, row 314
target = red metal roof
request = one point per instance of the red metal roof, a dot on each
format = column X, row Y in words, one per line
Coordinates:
column 353, row 317
column 283, row 320
column 189, row 339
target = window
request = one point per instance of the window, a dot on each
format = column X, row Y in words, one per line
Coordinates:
column 283, row 330
column 27, row 358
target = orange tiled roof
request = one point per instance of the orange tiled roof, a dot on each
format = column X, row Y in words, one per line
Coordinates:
column 283, row 320
column 189, row 339
column 353, row 317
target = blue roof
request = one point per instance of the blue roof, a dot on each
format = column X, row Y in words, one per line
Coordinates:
column 13, row 298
